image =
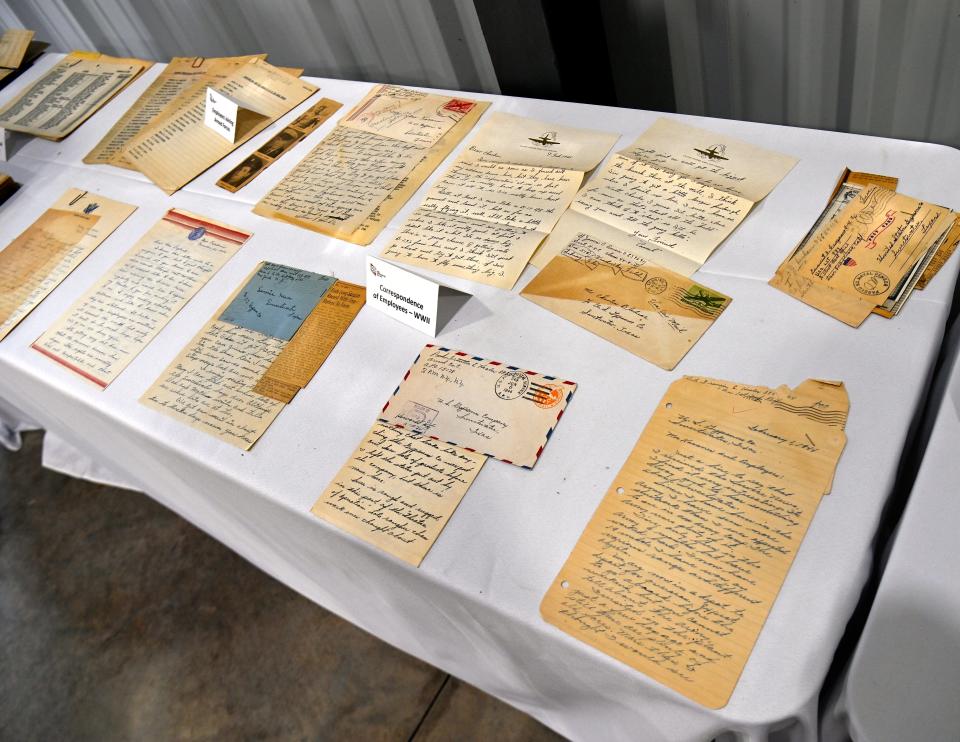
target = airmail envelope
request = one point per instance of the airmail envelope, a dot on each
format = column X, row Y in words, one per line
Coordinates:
column 478, row 404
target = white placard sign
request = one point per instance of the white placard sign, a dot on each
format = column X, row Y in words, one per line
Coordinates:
column 416, row 301
column 220, row 114
column 3, row 144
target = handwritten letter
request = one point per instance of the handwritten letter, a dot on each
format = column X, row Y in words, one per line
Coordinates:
column 677, row 190
column 680, row 564
column 485, row 217
column 108, row 326
column 358, row 177
column 398, row 491
column 209, row 385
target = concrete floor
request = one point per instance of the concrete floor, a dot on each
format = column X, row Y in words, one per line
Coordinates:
column 119, row 620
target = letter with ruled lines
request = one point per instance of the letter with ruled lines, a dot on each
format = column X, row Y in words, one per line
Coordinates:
column 679, row 566
column 177, row 148
column 353, row 182
column 104, row 330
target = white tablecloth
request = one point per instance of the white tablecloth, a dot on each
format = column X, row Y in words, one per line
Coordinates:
column 472, row 607
column 904, row 677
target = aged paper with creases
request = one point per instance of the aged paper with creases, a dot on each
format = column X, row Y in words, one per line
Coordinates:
column 213, row 384
column 44, row 254
column 488, row 213
column 177, row 148
column 871, row 254
column 279, row 144
column 481, row 405
column 70, row 92
column 102, row 332
column 652, row 312
column 679, row 566
column 313, row 342
column 356, row 179
column 677, row 189
column 13, row 47
column 179, row 76
column 398, row 490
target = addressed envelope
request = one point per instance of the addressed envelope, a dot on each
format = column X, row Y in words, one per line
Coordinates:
column 650, row 311
column 878, row 243
column 481, row 405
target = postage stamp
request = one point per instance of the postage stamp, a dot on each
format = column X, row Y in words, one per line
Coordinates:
column 544, row 395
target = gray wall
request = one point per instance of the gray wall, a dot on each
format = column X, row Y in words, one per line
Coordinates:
column 417, row 42
column 884, row 67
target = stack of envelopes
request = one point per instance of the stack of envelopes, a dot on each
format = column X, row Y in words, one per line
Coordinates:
column 868, row 251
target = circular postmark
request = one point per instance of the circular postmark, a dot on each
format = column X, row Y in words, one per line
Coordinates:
column 511, row 385
column 871, row 283
column 547, row 395
column 655, row 285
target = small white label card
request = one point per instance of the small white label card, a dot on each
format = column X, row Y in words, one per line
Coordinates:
column 221, row 113
column 3, row 144
column 416, row 301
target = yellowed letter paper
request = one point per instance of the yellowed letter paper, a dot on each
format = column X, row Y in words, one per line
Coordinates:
column 177, row 148
column 13, row 47
column 677, row 569
column 163, row 96
column 104, row 330
column 352, row 183
column 493, row 207
column 38, row 260
column 213, row 385
column 398, row 490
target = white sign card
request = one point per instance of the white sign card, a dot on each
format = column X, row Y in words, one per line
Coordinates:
column 415, row 301
column 3, row 144
column 220, row 114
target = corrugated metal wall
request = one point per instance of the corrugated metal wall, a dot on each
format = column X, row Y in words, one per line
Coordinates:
column 884, row 67
column 434, row 43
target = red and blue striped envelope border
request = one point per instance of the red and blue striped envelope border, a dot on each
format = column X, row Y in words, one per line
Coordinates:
column 562, row 406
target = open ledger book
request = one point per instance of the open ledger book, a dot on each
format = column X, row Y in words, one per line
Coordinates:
column 177, row 148
column 68, row 94
column 165, row 95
